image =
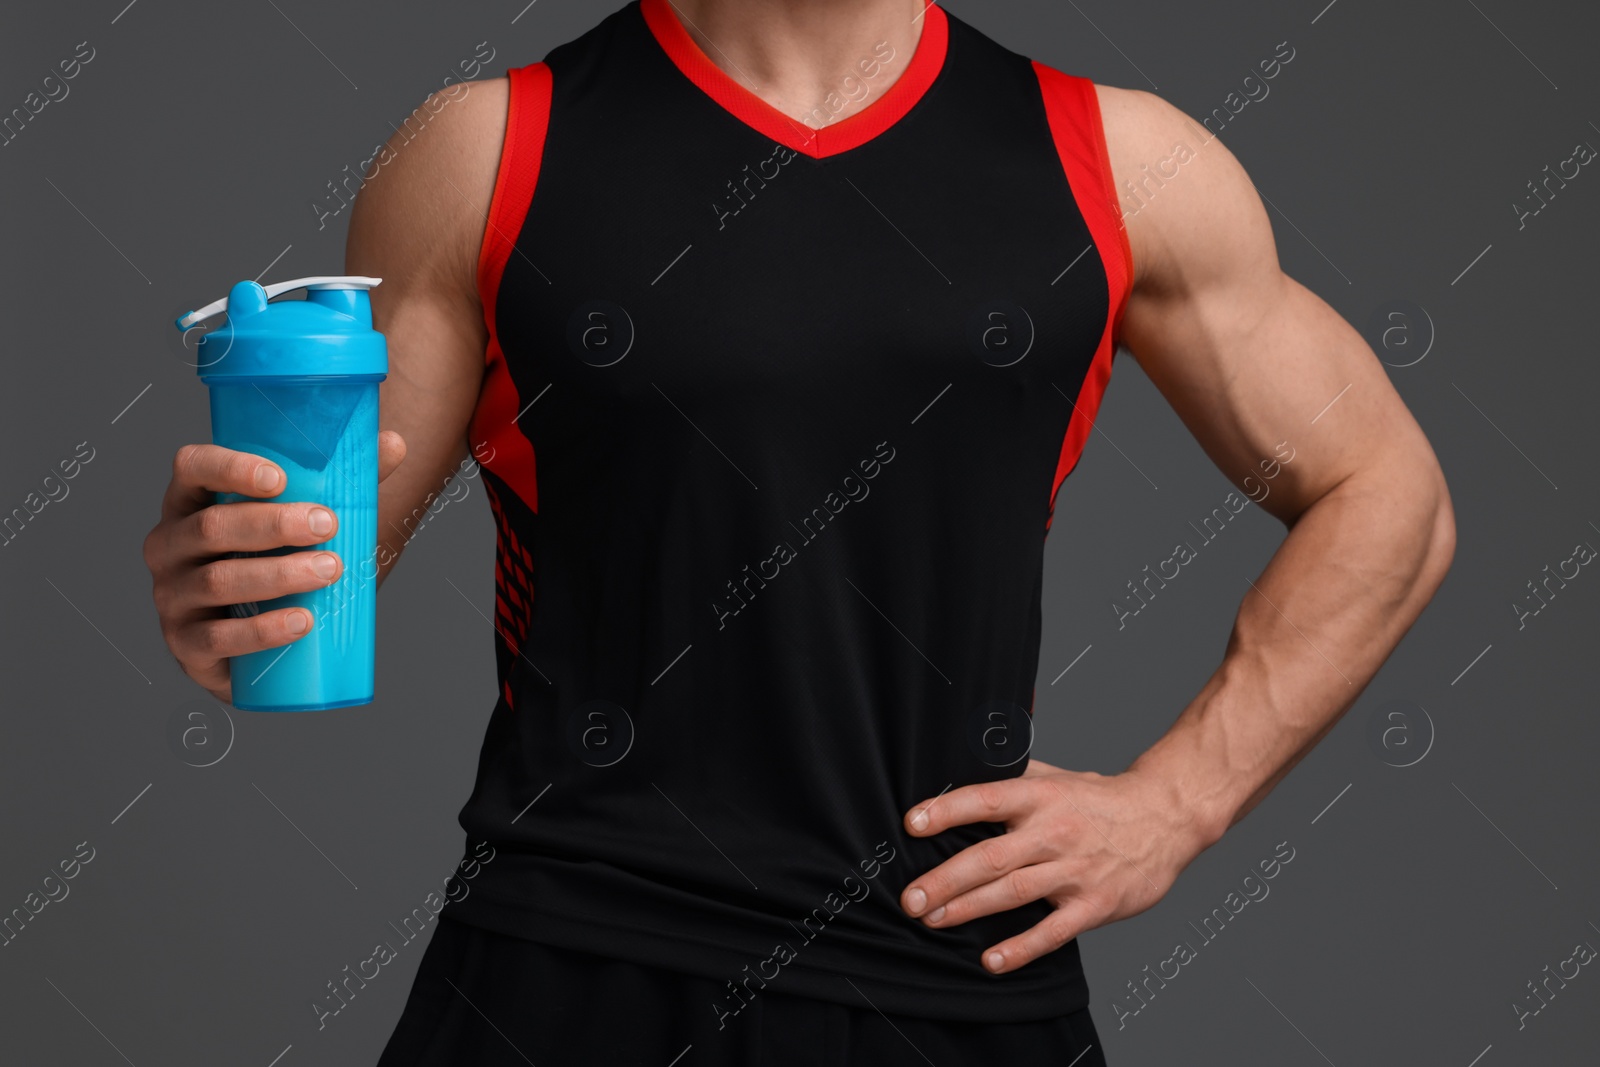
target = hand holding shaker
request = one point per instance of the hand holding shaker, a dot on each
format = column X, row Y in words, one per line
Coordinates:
column 297, row 382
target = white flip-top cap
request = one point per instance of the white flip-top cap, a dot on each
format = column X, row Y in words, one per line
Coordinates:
column 325, row 281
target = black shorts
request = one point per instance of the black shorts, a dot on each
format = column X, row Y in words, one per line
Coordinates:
column 483, row 999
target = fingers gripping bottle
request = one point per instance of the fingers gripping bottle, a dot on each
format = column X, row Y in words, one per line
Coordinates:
column 296, row 381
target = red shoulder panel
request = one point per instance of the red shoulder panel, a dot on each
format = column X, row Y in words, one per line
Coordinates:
column 494, row 420
column 1073, row 109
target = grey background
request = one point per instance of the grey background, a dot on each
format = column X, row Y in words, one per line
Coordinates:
column 1420, row 899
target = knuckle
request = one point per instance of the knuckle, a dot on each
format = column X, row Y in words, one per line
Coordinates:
column 993, row 854
column 157, row 549
column 215, row 581
column 161, row 595
column 208, row 639
column 149, row 550
column 989, row 796
column 211, row 526
column 1020, row 884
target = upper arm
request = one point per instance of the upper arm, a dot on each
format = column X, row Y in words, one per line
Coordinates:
column 418, row 224
column 1248, row 357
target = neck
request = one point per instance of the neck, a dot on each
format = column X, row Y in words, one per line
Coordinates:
column 817, row 61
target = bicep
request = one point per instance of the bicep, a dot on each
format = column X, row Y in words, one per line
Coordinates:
column 418, row 225
column 1255, row 364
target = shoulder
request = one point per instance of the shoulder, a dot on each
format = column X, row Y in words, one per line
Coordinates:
column 424, row 202
column 1185, row 199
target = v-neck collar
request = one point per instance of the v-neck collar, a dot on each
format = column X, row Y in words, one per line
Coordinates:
column 849, row 132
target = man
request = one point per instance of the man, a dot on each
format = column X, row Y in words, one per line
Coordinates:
column 777, row 326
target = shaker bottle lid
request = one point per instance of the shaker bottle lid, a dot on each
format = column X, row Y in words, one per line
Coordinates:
column 327, row 281
column 328, row 333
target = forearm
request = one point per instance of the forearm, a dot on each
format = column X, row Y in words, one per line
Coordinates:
column 1353, row 574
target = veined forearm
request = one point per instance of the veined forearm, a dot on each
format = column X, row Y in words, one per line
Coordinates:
column 1355, row 571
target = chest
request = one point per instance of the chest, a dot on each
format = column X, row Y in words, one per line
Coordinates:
column 722, row 270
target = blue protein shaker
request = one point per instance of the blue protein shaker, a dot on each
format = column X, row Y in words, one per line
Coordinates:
column 296, row 381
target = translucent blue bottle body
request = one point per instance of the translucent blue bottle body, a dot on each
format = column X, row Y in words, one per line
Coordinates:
column 323, row 432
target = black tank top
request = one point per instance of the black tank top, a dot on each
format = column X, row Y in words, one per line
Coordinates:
column 774, row 418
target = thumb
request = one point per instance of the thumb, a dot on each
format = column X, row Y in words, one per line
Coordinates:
column 391, row 450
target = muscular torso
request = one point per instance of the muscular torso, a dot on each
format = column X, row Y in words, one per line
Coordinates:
column 772, row 422
column 761, row 390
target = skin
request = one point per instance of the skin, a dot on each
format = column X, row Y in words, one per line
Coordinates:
column 1245, row 355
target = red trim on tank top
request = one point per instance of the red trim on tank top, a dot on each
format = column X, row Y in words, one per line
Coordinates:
column 494, row 418
column 849, row 132
column 1073, row 110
